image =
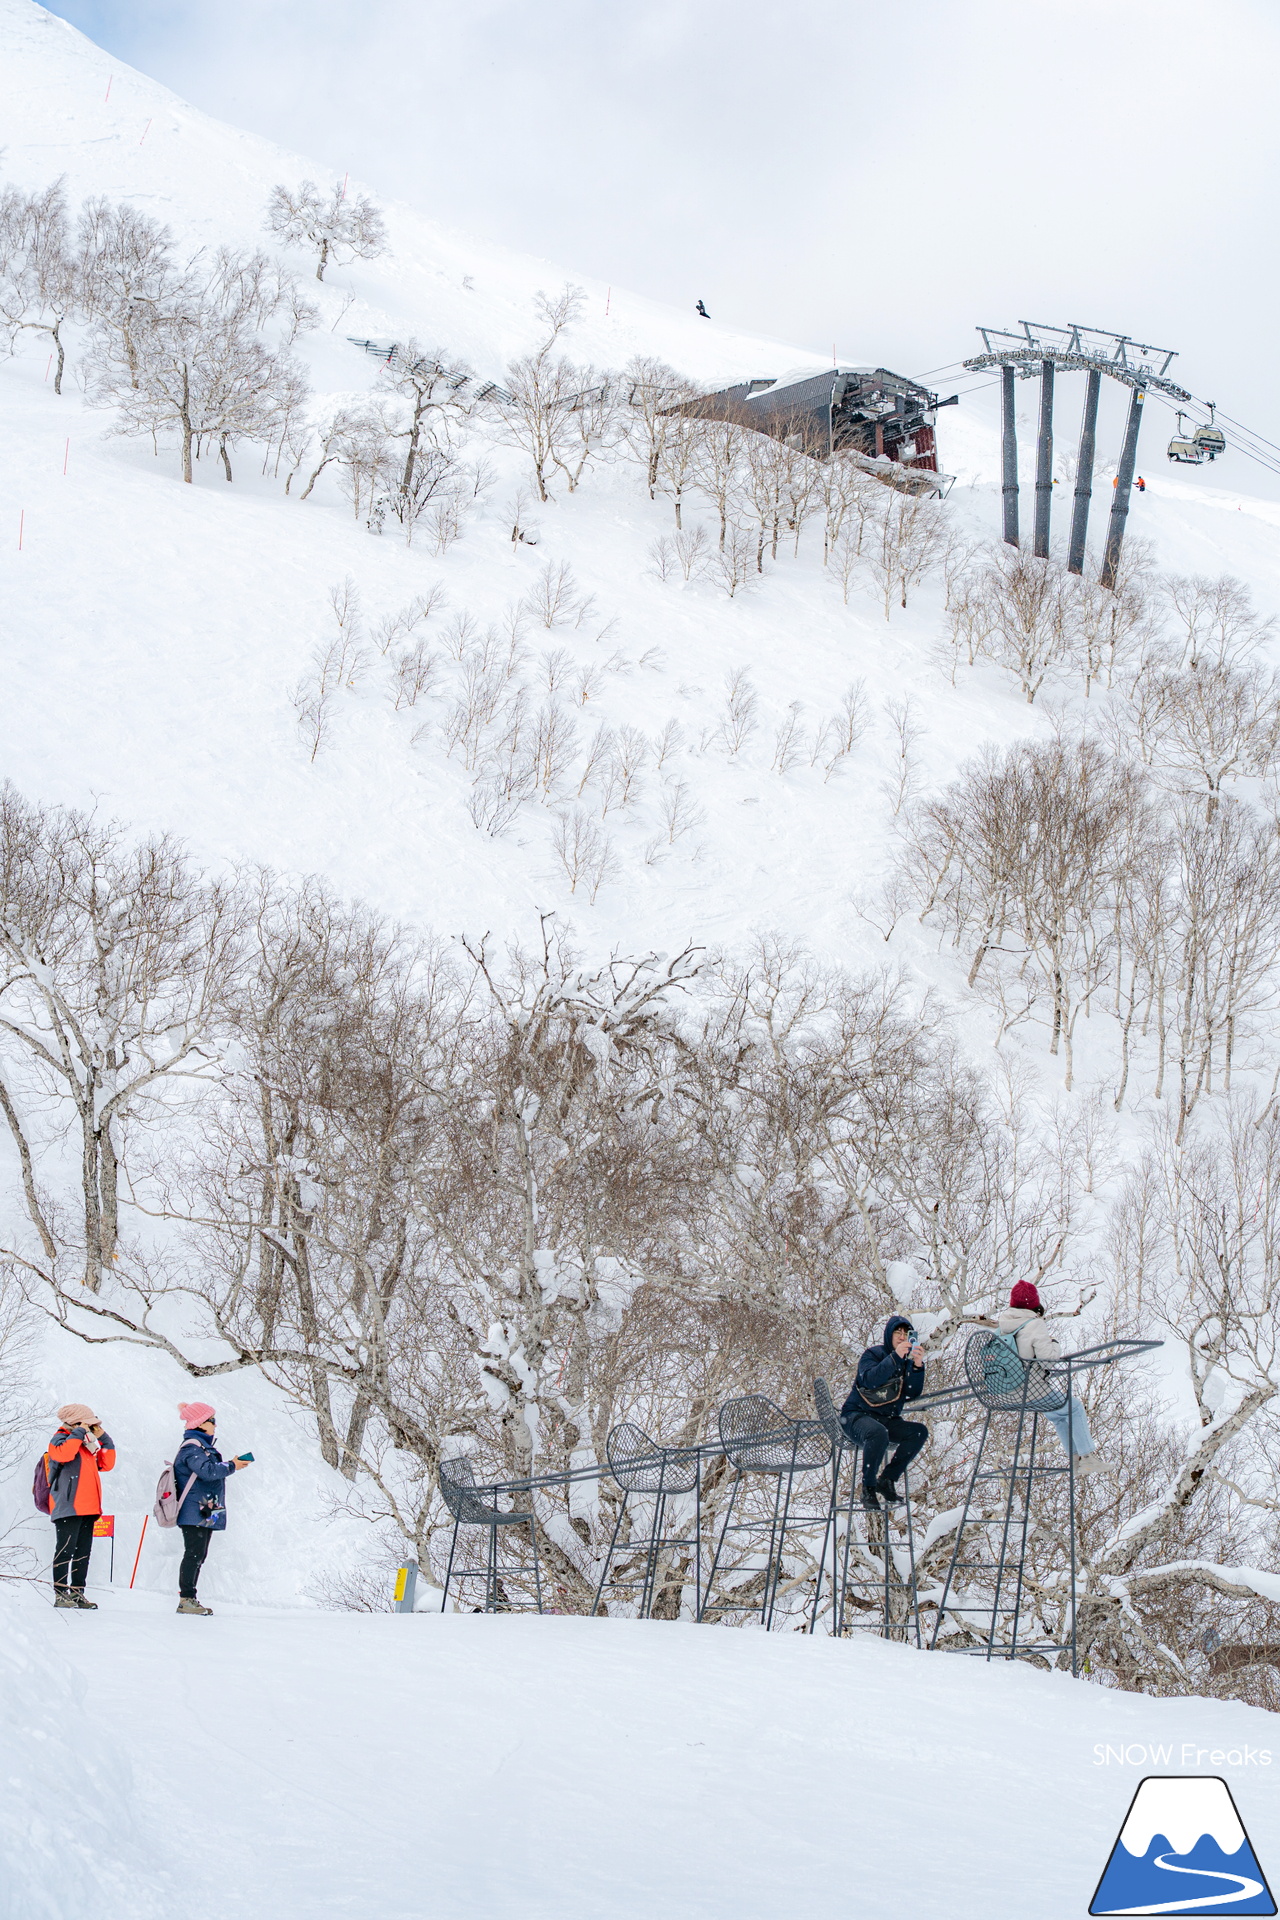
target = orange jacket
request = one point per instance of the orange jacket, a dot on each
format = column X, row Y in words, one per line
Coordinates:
column 77, row 1489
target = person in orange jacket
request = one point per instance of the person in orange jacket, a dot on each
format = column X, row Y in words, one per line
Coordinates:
column 78, row 1453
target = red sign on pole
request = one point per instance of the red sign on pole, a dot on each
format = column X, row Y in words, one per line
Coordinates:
column 104, row 1527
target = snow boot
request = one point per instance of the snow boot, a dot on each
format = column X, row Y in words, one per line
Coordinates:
column 888, row 1492
column 192, row 1606
column 64, row 1599
column 869, row 1501
column 1093, row 1463
column 78, row 1600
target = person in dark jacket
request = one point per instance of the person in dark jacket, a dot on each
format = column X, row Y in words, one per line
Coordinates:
column 887, row 1377
column 201, row 1512
column 702, row 310
column 78, row 1453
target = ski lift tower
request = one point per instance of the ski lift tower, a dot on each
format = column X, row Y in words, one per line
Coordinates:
column 1046, row 350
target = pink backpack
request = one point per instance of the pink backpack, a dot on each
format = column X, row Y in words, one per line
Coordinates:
column 168, row 1499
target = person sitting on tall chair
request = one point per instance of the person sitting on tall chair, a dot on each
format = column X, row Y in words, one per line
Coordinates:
column 887, row 1376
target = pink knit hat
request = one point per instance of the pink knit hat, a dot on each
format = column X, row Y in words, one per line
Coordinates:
column 195, row 1412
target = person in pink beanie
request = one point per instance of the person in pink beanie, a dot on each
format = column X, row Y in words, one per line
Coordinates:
column 199, row 1472
column 1024, row 1318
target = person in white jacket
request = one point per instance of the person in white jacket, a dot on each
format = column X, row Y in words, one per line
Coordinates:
column 1024, row 1316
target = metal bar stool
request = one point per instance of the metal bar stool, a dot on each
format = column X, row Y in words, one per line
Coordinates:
column 757, row 1437
column 889, row 1579
column 642, row 1466
column 1003, row 1382
column 464, row 1500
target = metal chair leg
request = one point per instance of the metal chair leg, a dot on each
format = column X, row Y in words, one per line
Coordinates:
column 964, row 1518
column 828, row 1533
column 608, row 1559
column 453, row 1548
column 715, row 1562
column 1004, row 1535
column 911, row 1551
column 771, row 1557
column 1026, row 1522
column 855, row 1477
column 537, row 1569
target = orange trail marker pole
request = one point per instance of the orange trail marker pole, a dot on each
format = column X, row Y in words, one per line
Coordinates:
column 22, row 521
column 66, row 456
column 107, row 95
column 138, row 1555
column 145, row 131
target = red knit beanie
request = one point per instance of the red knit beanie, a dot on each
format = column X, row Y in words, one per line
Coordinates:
column 1025, row 1295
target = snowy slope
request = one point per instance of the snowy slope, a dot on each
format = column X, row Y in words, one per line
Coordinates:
column 271, row 1766
column 152, row 631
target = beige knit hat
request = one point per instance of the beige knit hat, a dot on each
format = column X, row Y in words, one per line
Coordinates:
column 76, row 1414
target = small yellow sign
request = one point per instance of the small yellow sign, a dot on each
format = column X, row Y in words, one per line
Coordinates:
column 401, row 1577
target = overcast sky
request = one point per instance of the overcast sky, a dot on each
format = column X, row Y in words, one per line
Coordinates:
column 874, row 178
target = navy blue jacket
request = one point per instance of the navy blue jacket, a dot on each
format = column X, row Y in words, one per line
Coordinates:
column 198, row 1455
column 880, row 1368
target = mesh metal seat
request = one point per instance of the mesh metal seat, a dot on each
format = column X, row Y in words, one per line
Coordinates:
column 1003, row 1383
column 760, row 1438
column 642, row 1467
column 465, row 1501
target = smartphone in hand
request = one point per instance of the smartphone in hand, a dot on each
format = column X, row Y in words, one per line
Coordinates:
column 244, row 1456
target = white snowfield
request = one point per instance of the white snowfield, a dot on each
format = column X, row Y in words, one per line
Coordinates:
column 273, row 1765
column 277, row 1762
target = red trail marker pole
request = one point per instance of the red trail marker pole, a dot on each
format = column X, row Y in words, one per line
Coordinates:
column 48, row 364
column 66, row 456
column 145, row 131
column 22, row 521
column 107, row 95
column 138, row 1555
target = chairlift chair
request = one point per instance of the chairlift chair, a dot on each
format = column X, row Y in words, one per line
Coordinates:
column 1210, row 438
column 1188, row 452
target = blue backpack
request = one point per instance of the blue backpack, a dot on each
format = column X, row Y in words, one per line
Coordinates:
column 1003, row 1367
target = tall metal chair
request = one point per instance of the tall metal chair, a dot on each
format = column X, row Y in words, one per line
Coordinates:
column 1003, row 1383
column 885, row 1588
column 465, row 1501
column 758, row 1437
column 642, row 1467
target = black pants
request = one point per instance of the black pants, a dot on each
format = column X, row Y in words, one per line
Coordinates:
column 73, row 1540
column 195, row 1545
column 874, row 1435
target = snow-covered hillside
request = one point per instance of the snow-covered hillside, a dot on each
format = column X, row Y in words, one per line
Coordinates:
column 295, row 1765
column 153, row 632
column 277, row 1761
